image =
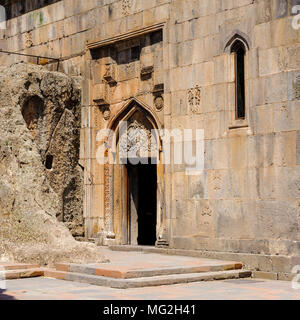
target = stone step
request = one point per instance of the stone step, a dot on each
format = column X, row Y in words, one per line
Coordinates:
column 21, row 273
column 18, row 266
column 136, row 248
column 122, row 272
column 146, row 281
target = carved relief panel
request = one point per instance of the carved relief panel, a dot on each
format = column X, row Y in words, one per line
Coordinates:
column 297, row 87
column 137, row 141
column 194, row 99
column 126, row 7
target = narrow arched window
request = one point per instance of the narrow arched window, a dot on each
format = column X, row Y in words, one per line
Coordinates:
column 239, row 51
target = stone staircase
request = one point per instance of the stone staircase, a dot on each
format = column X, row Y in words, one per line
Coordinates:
column 11, row 271
column 123, row 278
column 133, row 270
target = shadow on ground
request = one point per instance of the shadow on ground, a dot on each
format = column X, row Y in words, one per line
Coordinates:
column 4, row 296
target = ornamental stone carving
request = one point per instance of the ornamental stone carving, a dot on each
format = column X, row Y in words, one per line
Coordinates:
column 137, row 142
column 106, row 113
column 28, row 40
column 110, row 74
column 159, row 103
column 194, row 99
column 126, row 6
column 297, row 89
column 107, row 202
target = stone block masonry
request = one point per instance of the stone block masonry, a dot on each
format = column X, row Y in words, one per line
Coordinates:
column 246, row 201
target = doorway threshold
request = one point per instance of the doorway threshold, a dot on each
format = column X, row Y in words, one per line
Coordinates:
column 138, row 248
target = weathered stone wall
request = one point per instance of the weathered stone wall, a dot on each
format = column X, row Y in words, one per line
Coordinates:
column 61, row 30
column 247, row 199
column 16, row 8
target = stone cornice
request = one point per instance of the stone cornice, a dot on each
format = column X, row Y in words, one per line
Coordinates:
column 94, row 44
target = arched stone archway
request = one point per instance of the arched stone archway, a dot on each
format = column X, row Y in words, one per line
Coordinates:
column 134, row 208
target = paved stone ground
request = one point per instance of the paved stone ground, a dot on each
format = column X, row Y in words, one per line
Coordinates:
column 53, row 289
column 144, row 260
column 240, row 289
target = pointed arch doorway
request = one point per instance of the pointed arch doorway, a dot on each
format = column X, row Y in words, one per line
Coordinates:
column 135, row 179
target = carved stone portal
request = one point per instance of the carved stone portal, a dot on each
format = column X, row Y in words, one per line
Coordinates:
column 136, row 141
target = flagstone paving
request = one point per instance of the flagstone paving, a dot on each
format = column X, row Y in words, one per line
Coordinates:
column 44, row 288
column 53, row 289
column 142, row 269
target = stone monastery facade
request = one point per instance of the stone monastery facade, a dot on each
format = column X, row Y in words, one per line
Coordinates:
column 227, row 68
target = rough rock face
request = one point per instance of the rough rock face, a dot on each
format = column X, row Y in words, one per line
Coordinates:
column 50, row 106
column 40, row 179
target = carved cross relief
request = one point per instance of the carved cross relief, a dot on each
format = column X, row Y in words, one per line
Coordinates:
column 194, row 99
column 126, row 6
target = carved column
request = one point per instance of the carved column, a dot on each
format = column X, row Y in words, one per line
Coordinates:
column 163, row 236
column 109, row 235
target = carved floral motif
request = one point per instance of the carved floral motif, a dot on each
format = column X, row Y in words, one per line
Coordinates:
column 126, row 6
column 194, row 99
column 206, row 211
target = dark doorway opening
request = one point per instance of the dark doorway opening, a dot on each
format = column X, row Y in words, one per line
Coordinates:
column 142, row 203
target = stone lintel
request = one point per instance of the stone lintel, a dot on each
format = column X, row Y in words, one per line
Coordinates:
column 95, row 44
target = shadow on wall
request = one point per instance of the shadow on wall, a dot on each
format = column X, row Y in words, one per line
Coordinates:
column 17, row 8
column 128, row 51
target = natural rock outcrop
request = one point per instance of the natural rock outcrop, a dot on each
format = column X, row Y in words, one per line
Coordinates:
column 40, row 179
